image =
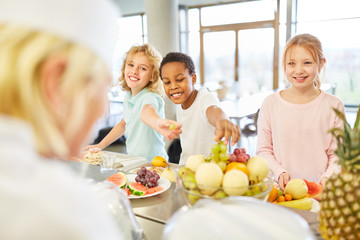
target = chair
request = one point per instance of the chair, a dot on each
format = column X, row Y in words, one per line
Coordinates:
column 249, row 131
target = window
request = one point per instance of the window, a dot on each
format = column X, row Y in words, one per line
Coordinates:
column 219, row 61
column 256, row 47
column 336, row 28
column 235, row 48
column 237, row 13
column 132, row 28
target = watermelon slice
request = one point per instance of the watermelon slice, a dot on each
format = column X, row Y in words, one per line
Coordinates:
column 137, row 188
column 127, row 191
column 153, row 190
column 314, row 189
column 119, row 179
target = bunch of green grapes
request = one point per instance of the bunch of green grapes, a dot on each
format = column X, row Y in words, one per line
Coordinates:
column 219, row 154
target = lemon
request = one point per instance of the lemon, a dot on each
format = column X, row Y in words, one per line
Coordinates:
column 159, row 161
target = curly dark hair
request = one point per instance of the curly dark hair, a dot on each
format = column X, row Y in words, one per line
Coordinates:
column 178, row 57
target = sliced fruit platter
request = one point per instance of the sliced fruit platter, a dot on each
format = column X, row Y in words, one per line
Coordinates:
column 298, row 193
column 145, row 183
column 161, row 167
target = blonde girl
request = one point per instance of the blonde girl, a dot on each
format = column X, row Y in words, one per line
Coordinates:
column 293, row 123
column 143, row 122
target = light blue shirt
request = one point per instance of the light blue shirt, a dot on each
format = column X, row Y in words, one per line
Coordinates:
column 142, row 140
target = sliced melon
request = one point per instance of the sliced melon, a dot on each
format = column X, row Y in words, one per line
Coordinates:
column 153, row 190
column 119, row 179
column 314, row 189
column 137, row 189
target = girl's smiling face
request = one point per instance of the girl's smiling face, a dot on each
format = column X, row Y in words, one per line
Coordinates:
column 179, row 83
column 301, row 69
column 138, row 72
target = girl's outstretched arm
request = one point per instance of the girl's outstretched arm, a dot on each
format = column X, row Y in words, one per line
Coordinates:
column 115, row 133
column 223, row 126
column 168, row 128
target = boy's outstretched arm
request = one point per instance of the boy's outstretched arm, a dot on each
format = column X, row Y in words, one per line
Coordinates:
column 168, row 128
column 224, row 128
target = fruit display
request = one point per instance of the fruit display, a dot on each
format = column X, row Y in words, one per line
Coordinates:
column 295, row 195
column 340, row 200
column 221, row 174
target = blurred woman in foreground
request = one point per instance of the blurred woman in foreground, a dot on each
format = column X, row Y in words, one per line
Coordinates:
column 54, row 57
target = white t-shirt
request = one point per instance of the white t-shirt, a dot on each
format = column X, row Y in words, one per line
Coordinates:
column 198, row 133
column 43, row 199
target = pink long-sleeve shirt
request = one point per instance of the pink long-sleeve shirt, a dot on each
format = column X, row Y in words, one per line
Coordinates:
column 294, row 138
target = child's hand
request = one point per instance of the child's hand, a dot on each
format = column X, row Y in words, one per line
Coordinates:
column 91, row 148
column 225, row 128
column 323, row 181
column 169, row 129
column 284, row 178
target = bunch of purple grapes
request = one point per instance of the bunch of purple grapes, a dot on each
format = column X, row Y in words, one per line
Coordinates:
column 147, row 177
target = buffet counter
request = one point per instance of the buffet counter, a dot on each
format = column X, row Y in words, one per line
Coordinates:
column 153, row 212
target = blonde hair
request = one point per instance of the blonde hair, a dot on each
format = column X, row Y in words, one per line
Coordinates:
column 154, row 58
column 310, row 43
column 23, row 54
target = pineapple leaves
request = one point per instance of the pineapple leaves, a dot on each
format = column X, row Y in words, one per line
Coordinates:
column 348, row 142
column 342, row 117
column 356, row 125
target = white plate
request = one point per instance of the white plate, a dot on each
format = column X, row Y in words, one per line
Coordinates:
column 163, row 182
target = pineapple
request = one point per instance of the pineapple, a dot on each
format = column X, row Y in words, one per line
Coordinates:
column 340, row 202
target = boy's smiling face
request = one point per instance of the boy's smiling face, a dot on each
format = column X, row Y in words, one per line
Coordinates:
column 179, row 83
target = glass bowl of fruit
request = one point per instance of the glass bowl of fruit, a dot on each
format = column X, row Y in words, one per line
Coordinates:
column 209, row 177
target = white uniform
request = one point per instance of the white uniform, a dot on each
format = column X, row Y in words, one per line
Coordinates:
column 198, row 134
column 42, row 198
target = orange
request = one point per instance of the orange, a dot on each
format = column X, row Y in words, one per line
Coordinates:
column 238, row 165
column 281, row 199
column 159, row 161
column 288, row 197
column 273, row 194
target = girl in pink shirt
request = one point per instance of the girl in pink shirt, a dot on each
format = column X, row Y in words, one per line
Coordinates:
column 293, row 124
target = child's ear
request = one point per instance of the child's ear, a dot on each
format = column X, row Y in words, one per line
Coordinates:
column 194, row 77
column 322, row 63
